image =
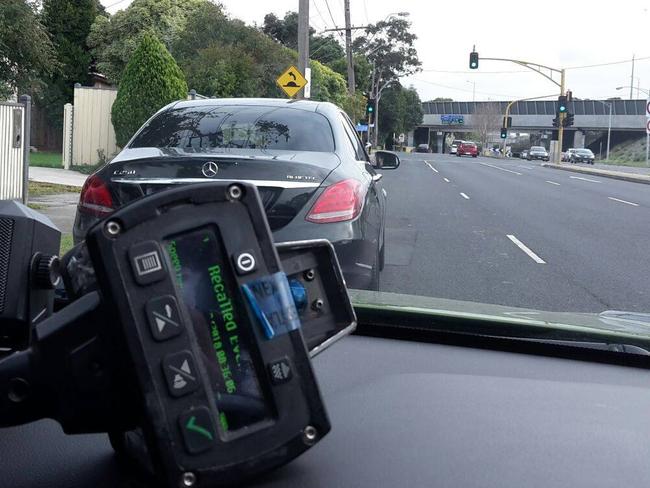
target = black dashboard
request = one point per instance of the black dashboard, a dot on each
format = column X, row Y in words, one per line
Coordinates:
column 419, row 414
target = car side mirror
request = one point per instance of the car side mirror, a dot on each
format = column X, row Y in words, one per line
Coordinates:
column 386, row 160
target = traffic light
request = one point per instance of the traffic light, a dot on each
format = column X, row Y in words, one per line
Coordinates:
column 568, row 120
column 562, row 104
column 556, row 120
column 507, row 122
column 370, row 107
column 473, row 60
column 504, row 133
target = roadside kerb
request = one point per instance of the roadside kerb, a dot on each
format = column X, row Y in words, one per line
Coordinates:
column 617, row 175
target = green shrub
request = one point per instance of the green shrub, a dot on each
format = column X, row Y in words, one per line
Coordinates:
column 151, row 80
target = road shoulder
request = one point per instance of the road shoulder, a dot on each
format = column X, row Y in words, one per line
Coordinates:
column 617, row 175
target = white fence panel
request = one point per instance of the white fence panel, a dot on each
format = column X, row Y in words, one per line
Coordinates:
column 91, row 122
column 68, row 114
column 12, row 147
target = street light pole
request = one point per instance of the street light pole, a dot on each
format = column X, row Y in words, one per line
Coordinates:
column 609, row 130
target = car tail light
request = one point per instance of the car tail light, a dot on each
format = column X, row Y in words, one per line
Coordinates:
column 95, row 198
column 338, row 203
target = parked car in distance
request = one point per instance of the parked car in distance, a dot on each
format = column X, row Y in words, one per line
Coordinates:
column 454, row 146
column 524, row 154
column 467, row 148
column 582, row 156
column 537, row 152
column 423, row 148
column 566, row 156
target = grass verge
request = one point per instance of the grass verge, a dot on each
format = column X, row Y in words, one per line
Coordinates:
column 66, row 243
column 46, row 159
column 38, row 189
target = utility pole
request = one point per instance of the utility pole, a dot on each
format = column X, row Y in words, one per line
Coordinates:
column 348, row 48
column 303, row 38
column 632, row 79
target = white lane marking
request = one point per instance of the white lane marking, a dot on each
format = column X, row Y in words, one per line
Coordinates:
column 432, row 168
column 446, row 180
column 624, row 201
column 502, row 169
column 552, row 182
column 523, row 247
column 464, row 196
column 584, row 179
column 364, row 266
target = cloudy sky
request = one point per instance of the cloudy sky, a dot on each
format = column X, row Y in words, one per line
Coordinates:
column 562, row 34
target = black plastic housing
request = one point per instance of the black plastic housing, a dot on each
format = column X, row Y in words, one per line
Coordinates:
column 299, row 418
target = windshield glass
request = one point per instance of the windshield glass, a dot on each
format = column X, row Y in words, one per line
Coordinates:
column 241, row 127
column 517, row 217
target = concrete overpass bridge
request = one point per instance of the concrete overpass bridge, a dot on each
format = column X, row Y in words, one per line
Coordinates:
column 591, row 117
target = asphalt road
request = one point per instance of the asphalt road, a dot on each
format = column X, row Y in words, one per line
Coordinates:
column 511, row 232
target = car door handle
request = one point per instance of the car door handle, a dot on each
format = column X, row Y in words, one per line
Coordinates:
column 377, row 177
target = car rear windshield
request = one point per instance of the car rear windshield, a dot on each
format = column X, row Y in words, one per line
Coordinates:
column 584, row 152
column 237, row 126
column 537, row 148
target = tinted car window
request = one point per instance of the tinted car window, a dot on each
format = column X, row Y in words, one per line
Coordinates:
column 354, row 139
column 244, row 127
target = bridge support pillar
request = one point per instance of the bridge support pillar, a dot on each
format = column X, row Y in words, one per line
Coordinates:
column 579, row 139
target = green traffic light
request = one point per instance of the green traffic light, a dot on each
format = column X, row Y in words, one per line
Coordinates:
column 562, row 108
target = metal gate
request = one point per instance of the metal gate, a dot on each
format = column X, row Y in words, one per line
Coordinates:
column 14, row 148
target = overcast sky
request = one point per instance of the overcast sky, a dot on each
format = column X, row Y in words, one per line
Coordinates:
column 555, row 33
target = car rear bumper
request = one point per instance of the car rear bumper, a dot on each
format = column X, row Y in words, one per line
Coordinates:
column 356, row 251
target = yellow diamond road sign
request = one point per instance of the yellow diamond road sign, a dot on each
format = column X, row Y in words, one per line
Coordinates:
column 291, row 81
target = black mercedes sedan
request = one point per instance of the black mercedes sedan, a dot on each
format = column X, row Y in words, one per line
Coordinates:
column 313, row 174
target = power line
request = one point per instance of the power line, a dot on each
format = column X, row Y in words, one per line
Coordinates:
column 608, row 64
column 465, row 89
column 365, row 10
column 320, row 14
column 475, row 72
column 327, row 4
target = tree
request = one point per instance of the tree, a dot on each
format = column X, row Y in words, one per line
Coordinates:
column 68, row 23
column 26, row 51
column 151, row 80
column 324, row 49
column 224, row 57
column 442, row 99
column 486, row 119
column 328, row 86
column 113, row 40
column 362, row 70
column 400, row 110
column 389, row 47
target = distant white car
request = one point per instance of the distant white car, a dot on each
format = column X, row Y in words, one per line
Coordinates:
column 454, row 146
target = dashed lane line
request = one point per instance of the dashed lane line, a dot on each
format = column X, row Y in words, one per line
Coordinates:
column 502, row 169
column 624, row 201
column 526, row 249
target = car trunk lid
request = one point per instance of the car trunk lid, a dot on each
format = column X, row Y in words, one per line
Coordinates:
column 286, row 182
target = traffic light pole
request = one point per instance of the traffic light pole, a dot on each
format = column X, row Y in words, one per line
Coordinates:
column 560, row 132
column 508, row 113
column 538, row 68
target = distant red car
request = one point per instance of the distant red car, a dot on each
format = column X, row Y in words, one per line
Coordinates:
column 467, row 149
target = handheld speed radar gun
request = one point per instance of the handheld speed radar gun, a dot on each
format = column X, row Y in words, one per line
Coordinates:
column 182, row 331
